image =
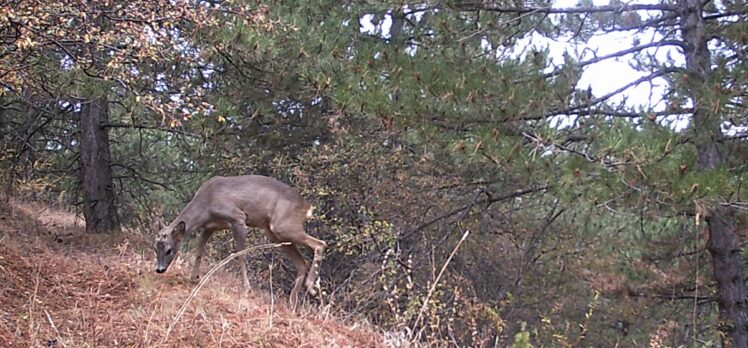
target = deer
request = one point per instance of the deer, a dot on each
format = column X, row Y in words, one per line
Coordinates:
column 238, row 202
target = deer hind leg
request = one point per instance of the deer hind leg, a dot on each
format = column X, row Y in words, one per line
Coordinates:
column 294, row 232
column 319, row 249
column 201, row 240
column 301, row 267
column 240, row 243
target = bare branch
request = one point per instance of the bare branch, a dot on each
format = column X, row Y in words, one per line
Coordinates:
column 567, row 10
column 634, row 49
column 726, row 14
column 138, row 176
column 488, row 201
column 652, row 76
column 589, row 112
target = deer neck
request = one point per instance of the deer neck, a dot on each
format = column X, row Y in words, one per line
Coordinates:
column 193, row 216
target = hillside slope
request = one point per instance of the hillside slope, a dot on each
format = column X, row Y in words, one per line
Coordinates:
column 60, row 287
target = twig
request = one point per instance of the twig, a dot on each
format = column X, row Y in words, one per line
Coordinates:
column 54, row 327
column 272, row 295
column 207, row 276
column 32, row 301
column 223, row 330
column 436, row 281
column 695, row 298
column 150, row 320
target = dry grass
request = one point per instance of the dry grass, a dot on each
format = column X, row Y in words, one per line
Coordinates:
column 62, row 288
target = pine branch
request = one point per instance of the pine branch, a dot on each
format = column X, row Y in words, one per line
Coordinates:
column 161, row 129
column 657, row 22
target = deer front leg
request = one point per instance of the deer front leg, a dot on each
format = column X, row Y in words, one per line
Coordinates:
column 201, row 241
column 240, row 243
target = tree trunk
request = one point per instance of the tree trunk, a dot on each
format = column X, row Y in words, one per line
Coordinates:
column 99, row 208
column 2, row 124
column 728, row 274
column 397, row 27
column 723, row 244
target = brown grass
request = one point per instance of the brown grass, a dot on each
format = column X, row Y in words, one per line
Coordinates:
column 62, row 288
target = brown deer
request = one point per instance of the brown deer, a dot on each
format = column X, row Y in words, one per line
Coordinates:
column 235, row 203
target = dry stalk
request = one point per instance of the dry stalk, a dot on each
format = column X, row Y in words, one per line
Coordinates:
column 272, row 295
column 433, row 286
column 202, row 282
column 54, row 327
column 148, row 325
column 223, row 330
column 32, row 304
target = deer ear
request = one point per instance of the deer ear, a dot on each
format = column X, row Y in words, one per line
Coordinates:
column 179, row 230
column 157, row 224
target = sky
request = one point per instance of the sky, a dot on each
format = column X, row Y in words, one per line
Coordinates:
column 602, row 77
column 608, row 75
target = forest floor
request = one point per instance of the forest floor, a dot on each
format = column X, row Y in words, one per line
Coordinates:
column 61, row 287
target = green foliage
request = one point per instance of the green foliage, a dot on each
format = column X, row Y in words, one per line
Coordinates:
column 522, row 340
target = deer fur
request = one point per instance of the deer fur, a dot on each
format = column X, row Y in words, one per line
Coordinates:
column 236, row 203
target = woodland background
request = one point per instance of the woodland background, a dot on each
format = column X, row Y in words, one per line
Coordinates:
column 593, row 221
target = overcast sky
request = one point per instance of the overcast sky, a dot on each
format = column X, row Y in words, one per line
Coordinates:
column 607, row 76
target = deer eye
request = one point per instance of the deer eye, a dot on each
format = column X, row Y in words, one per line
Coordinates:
column 168, row 251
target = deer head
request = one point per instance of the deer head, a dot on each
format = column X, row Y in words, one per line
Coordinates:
column 168, row 239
